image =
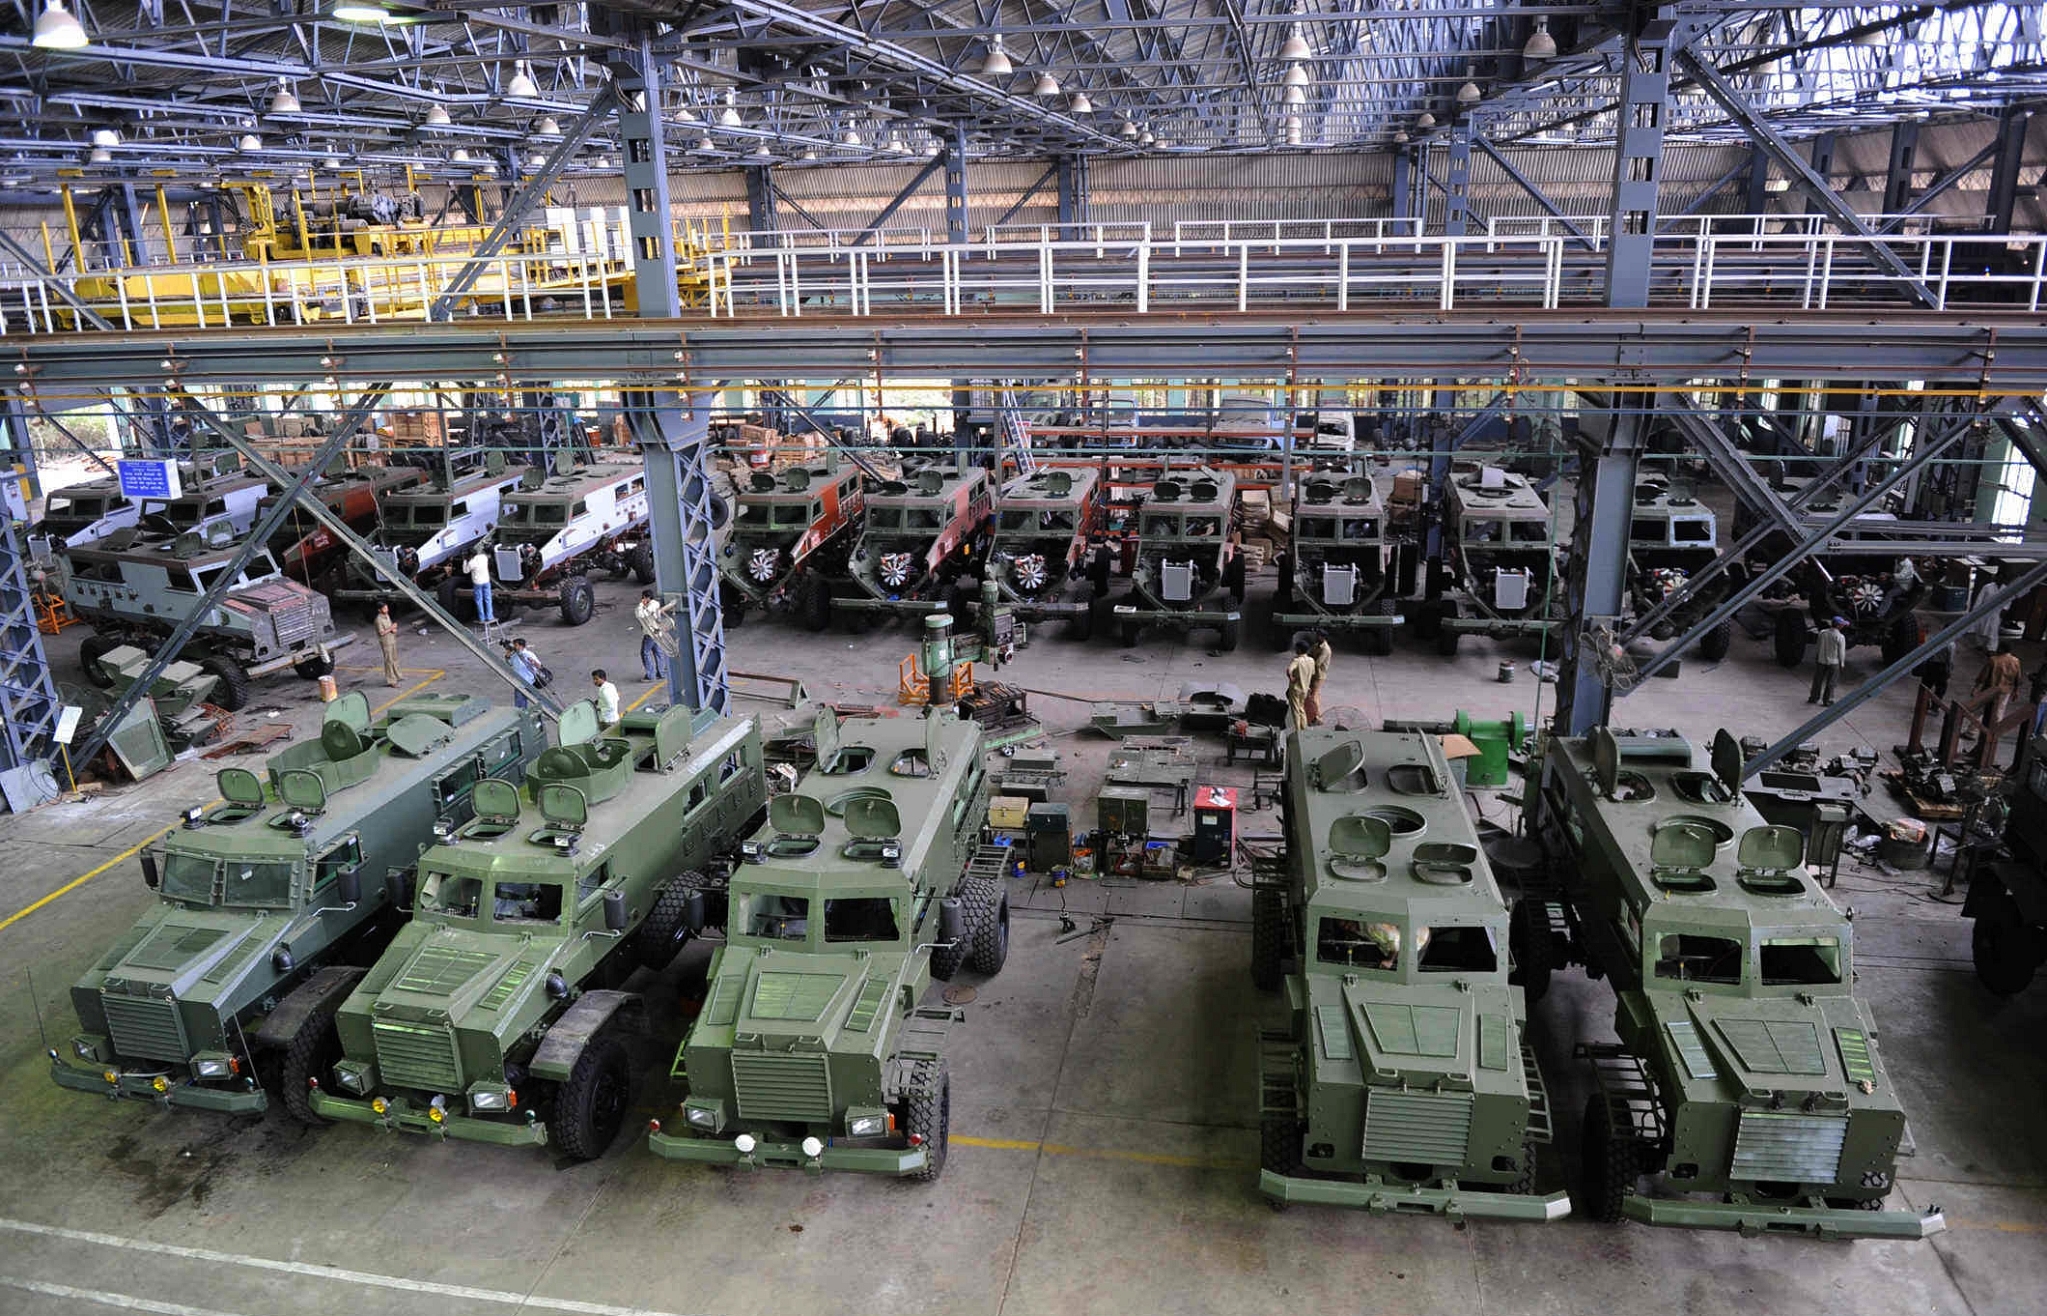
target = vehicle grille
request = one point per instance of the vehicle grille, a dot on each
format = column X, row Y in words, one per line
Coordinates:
column 779, row 1086
column 1773, row 1147
column 1426, row 1128
column 144, row 1027
column 418, row 1056
column 295, row 614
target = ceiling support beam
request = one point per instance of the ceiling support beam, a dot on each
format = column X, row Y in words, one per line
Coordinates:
column 1713, row 189
column 1829, row 201
column 760, row 200
column 1073, row 190
column 2004, row 174
column 1457, row 190
column 1898, row 175
column 954, row 156
column 902, row 198
column 1024, row 198
column 1403, row 182
column 1987, row 602
column 1941, row 187
column 1535, row 193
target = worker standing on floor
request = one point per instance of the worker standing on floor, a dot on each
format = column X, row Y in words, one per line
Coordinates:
column 2000, row 678
column 1300, row 679
column 607, row 700
column 657, row 635
column 1833, row 653
column 1322, row 654
column 478, row 567
column 387, row 640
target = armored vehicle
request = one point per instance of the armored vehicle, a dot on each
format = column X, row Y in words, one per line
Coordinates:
column 1879, row 607
column 811, row 1049
column 230, row 498
column 1185, row 558
column 2007, row 899
column 495, row 1016
column 1671, row 536
column 1498, row 569
column 1333, row 574
column 1403, row 1081
column 1747, row 1082
column 790, row 533
column 1246, row 422
column 81, row 513
column 303, row 546
column 135, row 589
column 560, row 524
column 226, row 990
column 423, row 531
column 1046, row 557
column 922, row 542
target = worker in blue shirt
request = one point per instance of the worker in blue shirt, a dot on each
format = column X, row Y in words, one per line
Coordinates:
column 525, row 665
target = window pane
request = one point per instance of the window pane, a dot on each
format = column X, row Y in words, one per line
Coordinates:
column 1358, row 944
column 1691, row 958
column 863, row 918
column 780, row 918
column 1801, row 961
column 526, row 902
column 1457, row 950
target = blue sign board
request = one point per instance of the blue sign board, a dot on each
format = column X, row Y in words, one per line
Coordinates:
column 150, row 479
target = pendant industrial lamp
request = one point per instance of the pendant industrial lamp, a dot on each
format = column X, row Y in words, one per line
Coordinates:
column 286, row 101
column 1541, row 45
column 521, row 87
column 57, row 28
column 1047, row 85
column 996, row 65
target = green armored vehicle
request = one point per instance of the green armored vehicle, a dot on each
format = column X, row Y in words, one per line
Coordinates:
column 1403, row 1081
column 812, row 1050
column 1333, row 574
column 922, row 542
column 495, row 1014
column 1185, row 559
column 1747, row 1081
column 229, row 985
column 1045, row 557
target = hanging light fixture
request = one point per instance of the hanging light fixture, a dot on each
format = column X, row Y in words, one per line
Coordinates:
column 105, row 137
column 536, row 160
column 100, row 155
column 852, row 137
column 1293, row 130
column 996, row 65
column 332, row 162
column 437, row 117
column 1296, row 76
column 729, row 116
column 1469, row 94
column 1426, row 122
column 1047, row 85
column 489, row 167
column 1296, row 48
column 249, row 142
column 1541, row 45
column 57, row 28
column 1145, row 138
column 761, row 151
column 896, row 145
column 1294, row 96
column 521, row 87
column 808, row 155
column 361, row 11
column 1129, row 129
column 1400, row 138
column 460, row 155
column 286, row 101
column 1080, row 104
column 547, row 127
column 705, row 146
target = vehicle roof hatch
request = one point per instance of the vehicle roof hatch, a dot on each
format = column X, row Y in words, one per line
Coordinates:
column 929, row 482
column 415, row 735
column 796, row 815
column 240, row 786
column 873, row 818
column 1728, row 761
column 302, row 789
column 1357, row 842
column 564, row 805
column 824, row 732
column 1341, row 768
column 578, row 723
column 495, row 799
column 671, row 735
column 1606, row 760
column 1058, row 483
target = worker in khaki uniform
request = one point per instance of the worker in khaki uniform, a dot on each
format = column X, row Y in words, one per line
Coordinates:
column 387, row 640
column 1300, row 679
column 2000, row 677
column 1320, row 651
column 1833, row 654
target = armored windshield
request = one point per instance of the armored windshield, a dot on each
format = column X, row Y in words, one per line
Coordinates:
column 257, row 885
column 450, row 894
column 188, row 877
column 526, row 902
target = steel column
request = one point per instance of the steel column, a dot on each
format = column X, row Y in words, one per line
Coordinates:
column 673, row 431
column 1072, row 193
column 2004, row 175
column 29, row 703
column 1941, row 187
column 1898, row 176
column 1457, row 184
column 760, row 200
column 1403, row 183
column 1638, row 164
column 1758, row 182
column 954, row 155
column 1822, row 161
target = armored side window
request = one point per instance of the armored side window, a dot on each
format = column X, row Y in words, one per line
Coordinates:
column 526, row 902
column 1801, row 962
column 343, row 858
column 699, row 791
column 449, row 894
column 454, row 785
column 1456, row 950
column 1358, row 943
column 779, row 918
column 1692, row 531
column 790, row 516
column 582, row 507
column 1689, row 957
column 729, row 768
column 860, row 918
column 1161, row 527
column 1057, row 521
column 426, row 515
column 1360, row 527
column 1529, row 532
column 885, row 518
column 1204, row 527
column 1016, row 520
column 592, row 882
column 1477, row 531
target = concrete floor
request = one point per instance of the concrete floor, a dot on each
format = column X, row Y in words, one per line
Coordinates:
column 1104, row 1151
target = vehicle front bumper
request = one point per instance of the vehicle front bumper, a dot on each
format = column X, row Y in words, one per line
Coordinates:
column 411, row 1117
column 1382, row 1198
column 1752, row 1218
column 1170, row 616
column 1340, row 621
column 788, row 1155
column 180, row 1092
column 1498, row 628
column 324, row 648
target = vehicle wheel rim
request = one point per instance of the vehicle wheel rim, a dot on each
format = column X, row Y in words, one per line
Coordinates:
column 607, row 1104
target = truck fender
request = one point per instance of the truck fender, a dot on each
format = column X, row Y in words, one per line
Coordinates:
column 324, row 990
column 569, row 1034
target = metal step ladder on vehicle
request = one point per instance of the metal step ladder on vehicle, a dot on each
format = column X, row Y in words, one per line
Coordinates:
column 1016, row 435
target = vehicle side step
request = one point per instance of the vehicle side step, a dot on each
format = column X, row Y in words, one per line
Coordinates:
column 1629, row 1089
column 1278, row 1091
column 990, row 861
column 1540, row 1126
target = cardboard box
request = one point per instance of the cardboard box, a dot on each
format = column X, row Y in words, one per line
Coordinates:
column 1407, row 487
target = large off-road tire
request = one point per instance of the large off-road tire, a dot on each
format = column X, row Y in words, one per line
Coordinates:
column 1613, row 1162
column 929, row 1116
column 1447, row 636
column 1900, row 637
column 232, row 691
column 1268, row 939
column 2003, row 947
column 1524, row 1183
column 665, row 931
column 578, row 600
column 814, row 604
column 988, row 946
column 1284, row 595
column 313, row 667
column 1714, row 644
column 1279, row 1143
column 641, row 561
column 90, row 651
column 1528, row 947
column 734, row 614
column 312, row 1053
column 1080, row 627
column 591, row 1104
column 1131, row 628
column 1790, row 636
column 1379, row 639
column 1230, row 635
column 460, row 606
column 1233, row 576
column 1098, row 569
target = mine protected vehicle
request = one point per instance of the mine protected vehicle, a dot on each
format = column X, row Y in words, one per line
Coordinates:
column 813, row 1048
column 224, row 993
column 789, row 537
column 1046, row 558
column 1748, row 1086
column 135, row 589
column 557, row 526
column 305, row 547
column 81, row 513
column 1497, row 575
column 922, row 543
column 1333, row 574
column 496, row 1014
column 2007, row 900
column 1403, row 1080
column 1188, row 571
column 1671, row 536
column 423, row 532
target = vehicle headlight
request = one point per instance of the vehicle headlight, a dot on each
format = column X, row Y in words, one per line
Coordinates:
column 706, row 1115
column 492, row 1098
column 86, row 1048
column 871, row 1124
column 812, row 1147
column 745, row 1143
column 213, row 1066
column 355, row 1076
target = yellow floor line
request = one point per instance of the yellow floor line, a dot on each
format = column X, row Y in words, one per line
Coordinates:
column 433, row 674
column 1100, row 1154
column 659, row 687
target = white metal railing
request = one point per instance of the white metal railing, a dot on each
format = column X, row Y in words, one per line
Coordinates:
column 1726, row 265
